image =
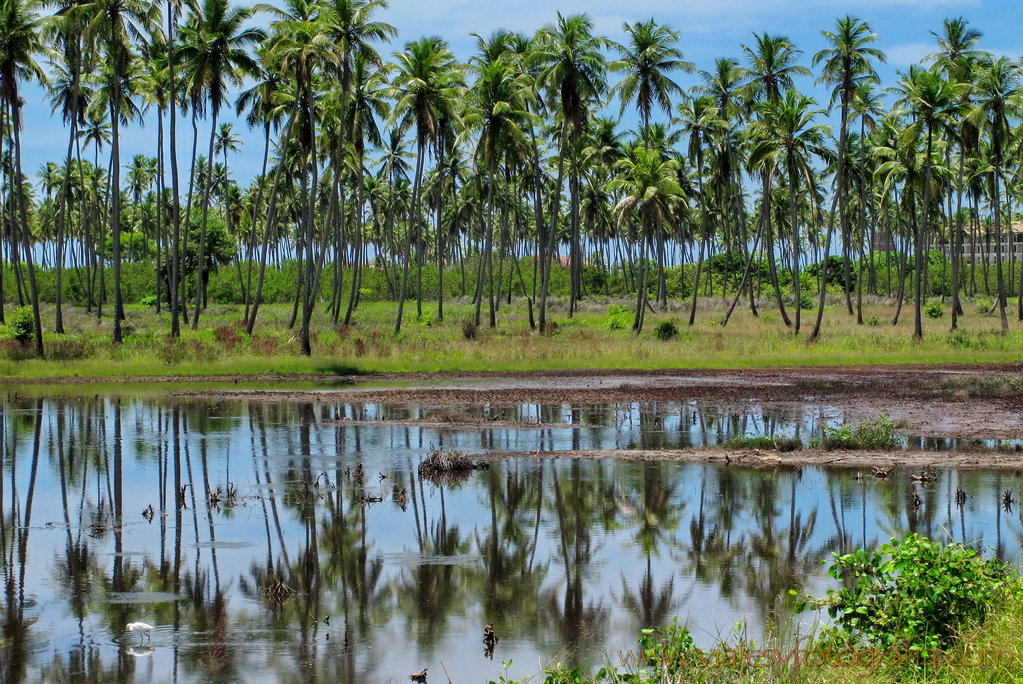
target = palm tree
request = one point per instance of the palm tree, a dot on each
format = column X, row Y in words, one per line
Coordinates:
column 350, row 28
column 367, row 105
column 772, row 66
column 647, row 60
column 499, row 118
column 997, row 92
column 652, row 193
column 786, row 129
column 300, row 50
column 214, row 48
column 116, row 25
column 701, row 121
column 426, row 80
column 847, row 64
column 932, row 101
column 958, row 60
column 71, row 97
column 21, row 29
column 572, row 75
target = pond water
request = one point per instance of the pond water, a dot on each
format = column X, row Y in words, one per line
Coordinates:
column 296, row 542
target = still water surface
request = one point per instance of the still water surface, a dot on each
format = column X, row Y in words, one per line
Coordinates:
column 193, row 515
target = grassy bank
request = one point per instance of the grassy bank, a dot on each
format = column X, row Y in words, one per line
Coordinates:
column 597, row 337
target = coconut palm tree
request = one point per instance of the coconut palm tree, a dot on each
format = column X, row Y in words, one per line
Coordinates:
column 701, row 120
column 215, row 51
column 647, row 60
column 785, row 129
column 958, row 60
column 932, row 102
column 572, row 76
column 71, row 96
column 498, row 118
column 115, row 27
column 21, row 30
column 426, row 80
column 847, row 63
column 300, row 50
column 652, row 195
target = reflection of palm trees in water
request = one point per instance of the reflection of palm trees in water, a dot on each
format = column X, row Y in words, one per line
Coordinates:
column 434, row 587
column 650, row 503
column 510, row 582
column 585, row 502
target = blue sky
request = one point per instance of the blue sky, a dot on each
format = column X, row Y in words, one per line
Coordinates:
column 709, row 29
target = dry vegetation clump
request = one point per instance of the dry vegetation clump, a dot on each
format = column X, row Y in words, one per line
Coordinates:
column 449, row 467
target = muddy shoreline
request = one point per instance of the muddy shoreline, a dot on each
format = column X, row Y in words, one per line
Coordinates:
column 900, row 463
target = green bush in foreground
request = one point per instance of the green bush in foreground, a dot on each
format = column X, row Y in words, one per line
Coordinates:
column 914, row 594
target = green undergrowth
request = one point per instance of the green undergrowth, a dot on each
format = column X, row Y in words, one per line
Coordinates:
column 598, row 336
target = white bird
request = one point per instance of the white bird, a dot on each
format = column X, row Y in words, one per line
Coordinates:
column 140, row 628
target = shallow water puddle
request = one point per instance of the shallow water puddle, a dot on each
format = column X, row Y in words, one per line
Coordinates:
column 278, row 542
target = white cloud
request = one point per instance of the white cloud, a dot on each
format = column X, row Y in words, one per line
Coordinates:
column 902, row 56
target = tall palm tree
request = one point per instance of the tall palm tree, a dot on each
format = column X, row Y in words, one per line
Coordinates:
column 68, row 94
column 786, row 129
column 847, row 64
column 300, row 50
column 350, row 28
column 21, row 29
column 997, row 92
column 426, row 79
column 215, row 51
column 647, row 60
column 115, row 26
column 958, row 60
column 499, row 118
column 572, row 74
column 772, row 67
column 701, row 121
column 932, row 101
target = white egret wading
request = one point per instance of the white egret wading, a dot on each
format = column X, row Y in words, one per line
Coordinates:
column 140, row 628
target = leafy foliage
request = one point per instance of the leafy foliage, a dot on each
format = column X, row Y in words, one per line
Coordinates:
column 873, row 435
column 912, row 594
column 22, row 325
column 667, row 330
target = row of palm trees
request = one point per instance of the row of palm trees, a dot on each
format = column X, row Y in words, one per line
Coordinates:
column 424, row 159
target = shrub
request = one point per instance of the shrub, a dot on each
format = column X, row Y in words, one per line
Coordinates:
column 618, row 317
column 915, row 594
column 69, row 350
column 667, row 330
column 934, row 309
column 874, row 435
column 874, row 321
column 13, row 350
column 229, row 336
column 982, row 305
column 148, row 301
column 469, row 330
column 22, row 325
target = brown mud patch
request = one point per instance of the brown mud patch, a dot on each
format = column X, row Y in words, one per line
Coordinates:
column 955, row 402
column 901, row 463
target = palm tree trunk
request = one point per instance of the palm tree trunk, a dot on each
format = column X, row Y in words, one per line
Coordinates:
column 413, row 225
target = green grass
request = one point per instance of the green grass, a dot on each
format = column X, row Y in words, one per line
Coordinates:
column 582, row 342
